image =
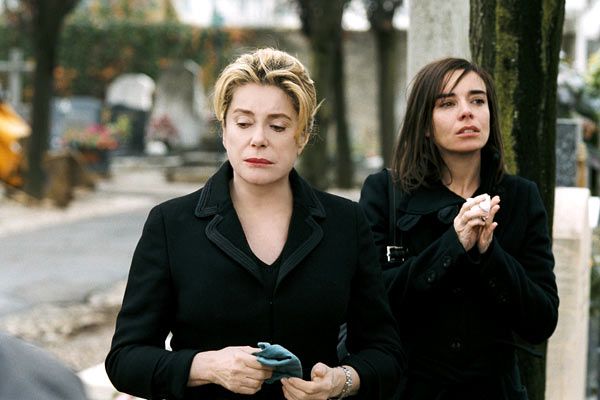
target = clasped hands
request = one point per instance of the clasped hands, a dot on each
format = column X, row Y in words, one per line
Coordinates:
column 474, row 224
column 237, row 370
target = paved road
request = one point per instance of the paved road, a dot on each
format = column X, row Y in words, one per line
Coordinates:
column 65, row 262
column 48, row 255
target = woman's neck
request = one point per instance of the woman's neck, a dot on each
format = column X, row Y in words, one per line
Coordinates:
column 272, row 197
column 462, row 175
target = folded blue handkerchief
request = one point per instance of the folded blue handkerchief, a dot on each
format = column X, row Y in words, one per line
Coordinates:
column 283, row 361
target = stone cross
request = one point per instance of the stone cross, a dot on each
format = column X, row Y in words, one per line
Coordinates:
column 15, row 66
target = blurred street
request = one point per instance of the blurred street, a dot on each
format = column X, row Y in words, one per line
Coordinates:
column 63, row 271
column 51, row 255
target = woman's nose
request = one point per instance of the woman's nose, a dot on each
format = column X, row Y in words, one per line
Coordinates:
column 259, row 139
column 465, row 111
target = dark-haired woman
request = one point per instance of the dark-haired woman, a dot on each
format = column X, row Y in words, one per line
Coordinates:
column 464, row 246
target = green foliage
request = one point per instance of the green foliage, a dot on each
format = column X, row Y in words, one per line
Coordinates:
column 91, row 55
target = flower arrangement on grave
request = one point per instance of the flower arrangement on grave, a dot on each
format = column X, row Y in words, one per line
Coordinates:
column 162, row 129
column 99, row 136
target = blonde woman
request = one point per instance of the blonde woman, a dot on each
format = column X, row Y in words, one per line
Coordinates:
column 256, row 255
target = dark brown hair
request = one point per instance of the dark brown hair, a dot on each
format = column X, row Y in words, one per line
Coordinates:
column 417, row 161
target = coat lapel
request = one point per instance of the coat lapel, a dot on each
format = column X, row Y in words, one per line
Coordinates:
column 305, row 231
column 225, row 230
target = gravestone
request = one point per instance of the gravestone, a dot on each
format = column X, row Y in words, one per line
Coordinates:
column 567, row 348
column 131, row 95
column 568, row 143
column 76, row 112
column 179, row 107
column 14, row 67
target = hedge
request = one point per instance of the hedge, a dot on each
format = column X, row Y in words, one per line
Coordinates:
column 90, row 56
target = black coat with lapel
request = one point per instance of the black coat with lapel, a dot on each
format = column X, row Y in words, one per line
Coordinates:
column 193, row 274
column 457, row 310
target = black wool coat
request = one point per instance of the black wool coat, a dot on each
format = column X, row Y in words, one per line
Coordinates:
column 457, row 310
column 193, row 274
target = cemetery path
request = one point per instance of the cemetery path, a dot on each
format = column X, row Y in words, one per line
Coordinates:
column 62, row 271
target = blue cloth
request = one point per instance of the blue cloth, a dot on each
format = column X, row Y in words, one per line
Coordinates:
column 284, row 362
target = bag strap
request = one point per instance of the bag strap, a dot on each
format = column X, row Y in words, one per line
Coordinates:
column 392, row 207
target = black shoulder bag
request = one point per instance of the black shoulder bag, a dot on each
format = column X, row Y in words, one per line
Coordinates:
column 395, row 253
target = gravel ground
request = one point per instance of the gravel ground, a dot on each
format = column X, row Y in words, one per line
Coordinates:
column 78, row 334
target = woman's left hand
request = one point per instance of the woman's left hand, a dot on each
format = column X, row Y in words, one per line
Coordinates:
column 321, row 386
column 487, row 230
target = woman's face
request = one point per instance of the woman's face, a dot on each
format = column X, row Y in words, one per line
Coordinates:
column 259, row 134
column 461, row 116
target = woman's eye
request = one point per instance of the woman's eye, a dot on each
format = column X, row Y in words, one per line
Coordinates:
column 243, row 125
column 479, row 101
column 446, row 104
column 278, row 128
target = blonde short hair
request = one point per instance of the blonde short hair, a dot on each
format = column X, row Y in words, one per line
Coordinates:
column 270, row 67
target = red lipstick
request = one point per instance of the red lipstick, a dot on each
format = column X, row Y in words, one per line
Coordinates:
column 259, row 161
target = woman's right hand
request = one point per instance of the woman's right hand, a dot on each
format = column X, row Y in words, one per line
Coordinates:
column 469, row 221
column 235, row 368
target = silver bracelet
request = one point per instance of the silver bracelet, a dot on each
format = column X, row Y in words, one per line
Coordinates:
column 347, row 385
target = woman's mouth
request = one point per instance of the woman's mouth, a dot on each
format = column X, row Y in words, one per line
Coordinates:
column 468, row 130
column 258, row 161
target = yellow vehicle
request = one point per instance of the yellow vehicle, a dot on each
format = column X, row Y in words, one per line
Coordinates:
column 13, row 128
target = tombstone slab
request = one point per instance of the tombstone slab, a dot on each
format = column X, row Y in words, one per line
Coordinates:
column 567, row 348
column 76, row 112
column 568, row 140
column 131, row 95
column 179, row 107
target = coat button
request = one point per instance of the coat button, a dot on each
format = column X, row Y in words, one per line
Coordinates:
column 456, row 345
column 446, row 261
column 430, row 277
column 502, row 298
column 492, row 283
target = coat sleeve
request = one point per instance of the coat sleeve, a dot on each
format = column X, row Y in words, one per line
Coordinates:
column 420, row 273
column 373, row 341
column 522, row 285
column 138, row 363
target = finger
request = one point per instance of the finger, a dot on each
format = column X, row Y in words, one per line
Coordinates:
column 292, row 392
column 258, row 374
column 289, row 392
column 494, row 210
column 305, row 387
column 249, row 349
column 319, row 370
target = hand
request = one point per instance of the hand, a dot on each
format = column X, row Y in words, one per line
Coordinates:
column 323, row 384
column 234, row 368
column 487, row 231
column 469, row 222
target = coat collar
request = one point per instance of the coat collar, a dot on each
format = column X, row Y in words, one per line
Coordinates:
column 215, row 195
column 225, row 231
column 437, row 198
column 432, row 198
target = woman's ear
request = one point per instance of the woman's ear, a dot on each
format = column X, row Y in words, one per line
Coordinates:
column 223, row 132
column 302, row 141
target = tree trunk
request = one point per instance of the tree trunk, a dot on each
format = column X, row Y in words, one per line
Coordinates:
column 523, row 54
column 386, row 82
column 40, row 127
column 344, row 165
column 47, row 20
column 315, row 159
column 321, row 22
